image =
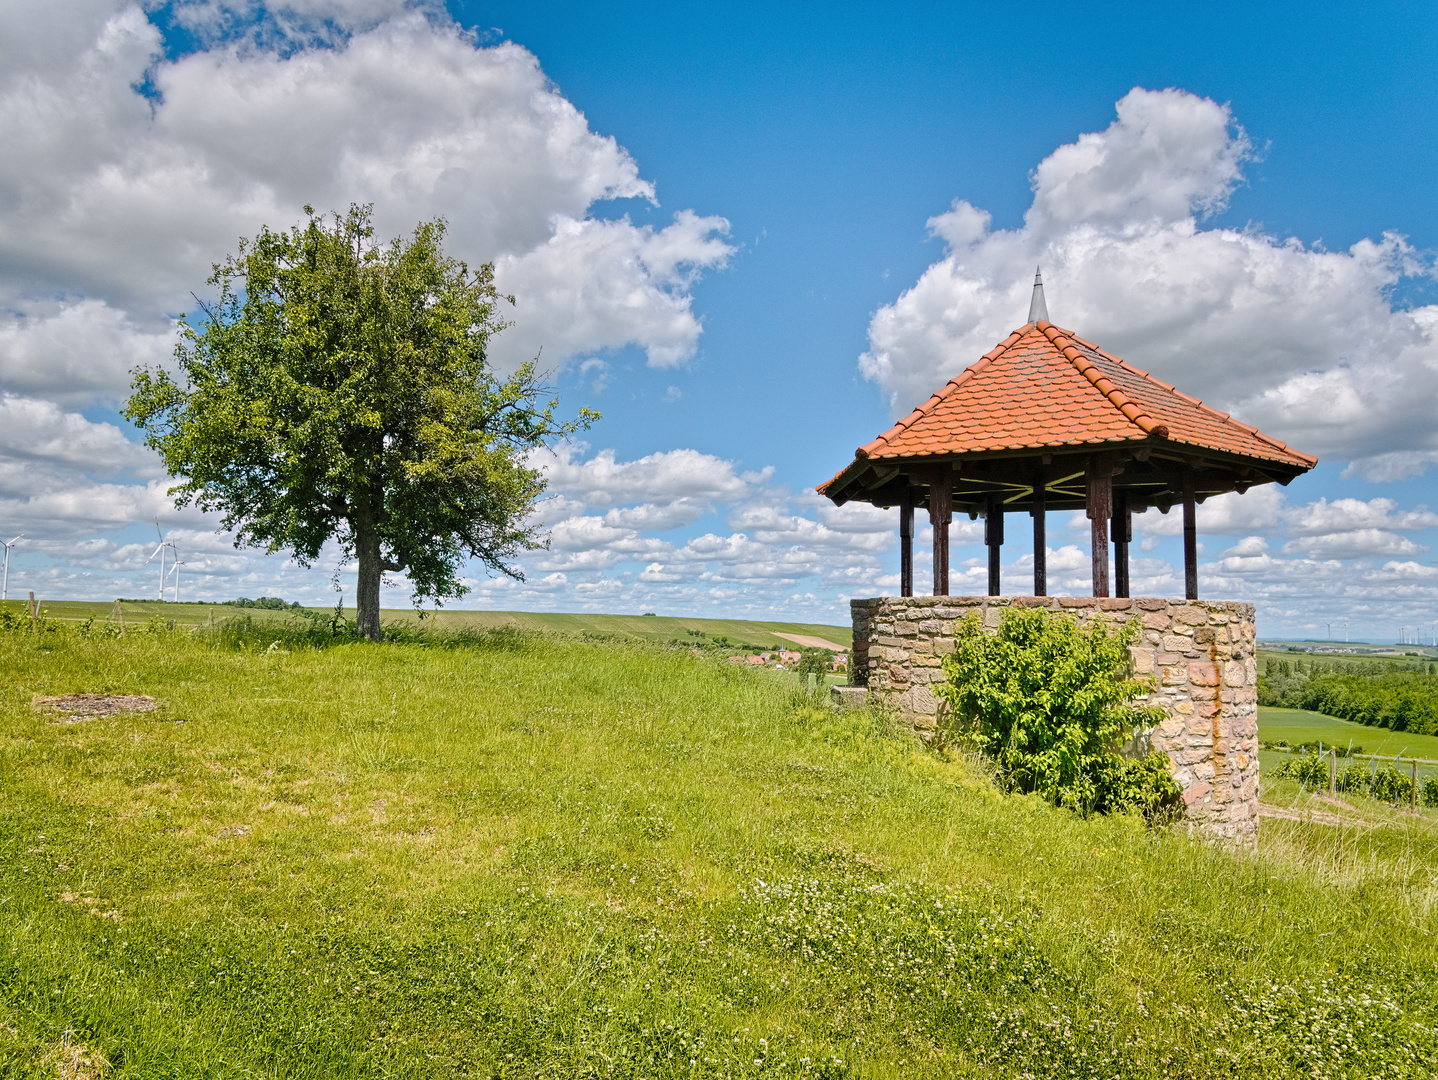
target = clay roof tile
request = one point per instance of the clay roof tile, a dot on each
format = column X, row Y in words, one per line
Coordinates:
column 1043, row 386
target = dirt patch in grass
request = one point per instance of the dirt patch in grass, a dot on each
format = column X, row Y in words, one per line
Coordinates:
column 101, row 909
column 77, row 708
column 76, row 1061
column 1288, row 813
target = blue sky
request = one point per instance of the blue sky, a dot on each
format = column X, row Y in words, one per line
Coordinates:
column 739, row 235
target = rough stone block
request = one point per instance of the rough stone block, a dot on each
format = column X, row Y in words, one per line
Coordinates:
column 1203, row 673
column 1190, row 615
column 923, row 701
column 1195, row 793
column 849, row 697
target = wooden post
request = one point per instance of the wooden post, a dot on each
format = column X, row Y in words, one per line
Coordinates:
column 1333, row 773
column 994, row 538
column 34, row 615
column 1100, row 500
column 1041, row 540
column 120, row 617
column 1122, row 529
column 212, row 618
column 1190, row 539
column 1415, row 784
column 941, row 512
column 906, row 544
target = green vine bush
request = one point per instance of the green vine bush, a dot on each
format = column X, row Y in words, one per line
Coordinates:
column 1385, row 784
column 1052, row 704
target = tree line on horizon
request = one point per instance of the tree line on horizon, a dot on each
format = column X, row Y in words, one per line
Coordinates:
column 1399, row 697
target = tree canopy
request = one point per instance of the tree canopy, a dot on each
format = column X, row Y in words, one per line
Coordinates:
column 339, row 389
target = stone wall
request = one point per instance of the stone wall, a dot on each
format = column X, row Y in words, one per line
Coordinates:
column 1200, row 654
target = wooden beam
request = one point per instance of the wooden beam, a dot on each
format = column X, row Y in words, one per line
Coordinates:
column 1190, row 540
column 906, row 543
column 941, row 512
column 1122, row 530
column 1100, row 506
column 1041, row 540
column 994, row 538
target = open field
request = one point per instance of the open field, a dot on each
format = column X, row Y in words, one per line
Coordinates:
column 739, row 632
column 542, row 856
column 1296, row 726
column 1361, row 650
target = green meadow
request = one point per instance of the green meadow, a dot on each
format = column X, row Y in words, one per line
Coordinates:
column 521, row 854
column 1296, row 726
column 738, row 632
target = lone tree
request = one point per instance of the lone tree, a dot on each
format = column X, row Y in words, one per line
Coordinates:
column 339, row 389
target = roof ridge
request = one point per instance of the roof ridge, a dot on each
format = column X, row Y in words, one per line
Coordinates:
column 1101, row 382
column 953, row 384
column 1198, row 402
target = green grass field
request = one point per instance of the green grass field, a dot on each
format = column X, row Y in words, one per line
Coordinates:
column 1296, row 726
column 544, row 856
column 739, row 632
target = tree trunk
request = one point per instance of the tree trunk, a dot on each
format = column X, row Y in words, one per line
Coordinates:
column 371, row 569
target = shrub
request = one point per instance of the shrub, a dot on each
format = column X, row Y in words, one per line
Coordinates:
column 1312, row 770
column 1430, row 791
column 1389, row 785
column 1052, row 703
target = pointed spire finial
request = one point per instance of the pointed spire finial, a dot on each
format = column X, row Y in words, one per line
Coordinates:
column 1038, row 310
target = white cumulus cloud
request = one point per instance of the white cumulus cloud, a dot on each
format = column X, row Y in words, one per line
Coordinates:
column 1300, row 341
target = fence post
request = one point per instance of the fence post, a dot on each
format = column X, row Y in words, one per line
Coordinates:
column 34, row 610
column 1333, row 773
column 1415, row 784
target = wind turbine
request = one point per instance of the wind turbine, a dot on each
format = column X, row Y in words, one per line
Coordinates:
column 175, row 569
column 5, row 584
column 160, row 553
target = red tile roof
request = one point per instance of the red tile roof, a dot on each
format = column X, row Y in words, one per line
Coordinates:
column 1043, row 387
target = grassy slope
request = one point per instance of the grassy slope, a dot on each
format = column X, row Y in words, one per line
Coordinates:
column 546, row 857
column 642, row 627
column 1300, row 725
